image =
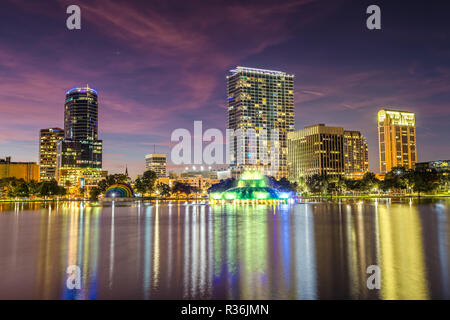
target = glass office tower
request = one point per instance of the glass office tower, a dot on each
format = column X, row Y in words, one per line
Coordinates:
column 80, row 152
column 260, row 113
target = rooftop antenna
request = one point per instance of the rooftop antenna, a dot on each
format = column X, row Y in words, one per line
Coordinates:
column 154, row 148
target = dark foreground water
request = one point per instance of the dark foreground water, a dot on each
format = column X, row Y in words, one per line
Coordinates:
column 197, row 251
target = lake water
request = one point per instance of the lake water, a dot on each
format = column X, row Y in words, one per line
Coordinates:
column 197, row 251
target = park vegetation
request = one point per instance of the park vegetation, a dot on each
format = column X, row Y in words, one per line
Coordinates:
column 146, row 186
column 19, row 188
column 399, row 181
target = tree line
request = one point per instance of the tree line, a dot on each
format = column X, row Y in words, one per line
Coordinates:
column 398, row 180
column 19, row 188
column 145, row 185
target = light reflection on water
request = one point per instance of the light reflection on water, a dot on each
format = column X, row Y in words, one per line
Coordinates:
column 196, row 251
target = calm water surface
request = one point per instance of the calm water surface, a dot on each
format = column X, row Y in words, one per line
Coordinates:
column 197, row 251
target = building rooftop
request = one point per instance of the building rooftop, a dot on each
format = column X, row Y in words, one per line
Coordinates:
column 53, row 129
column 152, row 155
column 395, row 110
column 239, row 69
column 82, row 90
column 7, row 160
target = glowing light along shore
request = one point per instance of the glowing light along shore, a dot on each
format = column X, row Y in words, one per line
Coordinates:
column 251, row 187
column 119, row 190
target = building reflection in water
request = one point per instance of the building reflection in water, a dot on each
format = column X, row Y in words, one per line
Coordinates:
column 305, row 257
column 185, row 251
column 443, row 248
column 401, row 253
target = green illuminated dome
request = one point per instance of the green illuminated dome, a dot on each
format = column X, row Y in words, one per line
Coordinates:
column 251, row 186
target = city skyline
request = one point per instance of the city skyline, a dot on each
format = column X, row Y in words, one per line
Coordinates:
column 138, row 65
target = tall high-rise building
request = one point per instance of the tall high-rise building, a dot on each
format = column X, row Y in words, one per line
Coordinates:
column 260, row 114
column 48, row 140
column 316, row 149
column 356, row 154
column 156, row 162
column 81, row 114
column 79, row 153
column 397, row 139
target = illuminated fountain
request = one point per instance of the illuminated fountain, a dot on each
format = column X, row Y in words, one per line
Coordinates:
column 119, row 190
column 251, row 187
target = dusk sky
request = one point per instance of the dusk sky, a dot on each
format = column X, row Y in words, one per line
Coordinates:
column 160, row 65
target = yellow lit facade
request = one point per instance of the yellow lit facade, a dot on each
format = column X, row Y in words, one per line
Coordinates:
column 27, row 171
column 397, row 139
column 325, row 150
column 199, row 182
column 75, row 178
column 47, row 152
column 356, row 154
column 316, row 149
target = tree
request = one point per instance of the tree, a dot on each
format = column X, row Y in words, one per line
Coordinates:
column 223, row 185
column 425, row 182
column 139, row 186
column 10, row 185
column 180, row 187
column 33, row 187
column 149, row 178
column 369, row 182
column 146, row 182
column 22, row 190
column 283, row 184
column 444, row 182
column 51, row 188
column 340, row 184
column 301, row 184
column 395, row 180
column 163, row 189
column 207, row 185
column 94, row 193
column 317, row 183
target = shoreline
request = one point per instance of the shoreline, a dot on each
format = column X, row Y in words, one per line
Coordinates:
column 325, row 197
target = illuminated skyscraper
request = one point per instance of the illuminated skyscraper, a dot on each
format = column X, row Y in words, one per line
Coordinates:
column 325, row 150
column 80, row 152
column 47, row 152
column 356, row 154
column 397, row 139
column 260, row 113
column 81, row 114
column 156, row 162
column 316, row 149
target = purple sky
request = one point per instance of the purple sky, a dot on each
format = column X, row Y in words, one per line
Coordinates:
column 160, row 65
